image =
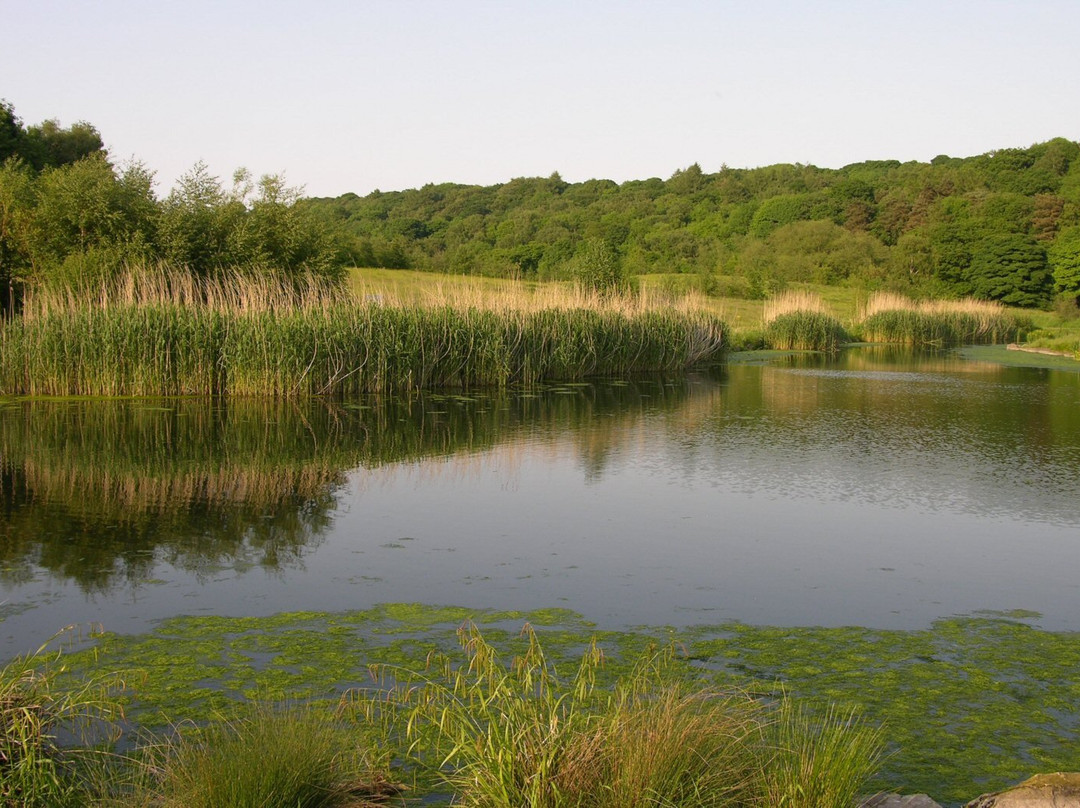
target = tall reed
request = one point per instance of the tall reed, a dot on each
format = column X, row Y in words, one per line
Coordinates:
column 172, row 335
column 896, row 319
column 799, row 321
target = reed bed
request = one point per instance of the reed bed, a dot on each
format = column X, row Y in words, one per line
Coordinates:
column 799, row 321
column 172, row 335
column 896, row 319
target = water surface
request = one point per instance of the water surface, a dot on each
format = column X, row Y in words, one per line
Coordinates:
column 876, row 488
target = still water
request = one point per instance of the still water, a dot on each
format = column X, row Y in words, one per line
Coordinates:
column 876, row 488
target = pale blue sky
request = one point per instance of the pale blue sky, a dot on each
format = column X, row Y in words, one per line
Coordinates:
column 351, row 96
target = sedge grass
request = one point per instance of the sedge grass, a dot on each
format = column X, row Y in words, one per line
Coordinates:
column 263, row 756
column 505, row 736
column 172, row 335
column 820, row 762
column 895, row 319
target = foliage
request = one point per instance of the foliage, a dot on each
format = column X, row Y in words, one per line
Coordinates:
column 877, row 224
column 804, row 331
column 821, row 762
column 506, row 736
column 923, row 228
column 895, row 319
column 1064, row 259
column 799, row 322
column 71, row 219
column 1011, row 268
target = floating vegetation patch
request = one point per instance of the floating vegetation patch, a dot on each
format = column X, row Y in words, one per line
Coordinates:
column 967, row 705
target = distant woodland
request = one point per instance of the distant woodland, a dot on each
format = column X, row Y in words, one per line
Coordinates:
column 998, row 226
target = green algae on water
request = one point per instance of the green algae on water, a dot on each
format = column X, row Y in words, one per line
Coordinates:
column 968, row 705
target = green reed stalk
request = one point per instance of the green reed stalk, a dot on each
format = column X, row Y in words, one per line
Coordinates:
column 337, row 349
column 804, row 331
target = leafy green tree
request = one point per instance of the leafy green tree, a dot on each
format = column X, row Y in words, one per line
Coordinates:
column 1064, row 259
column 12, row 134
column 259, row 225
column 778, row 211
column 599, row 267
column 911, row 261
column 48, row 145
column 1012, row 268
column 192, row 230
column 18, row 199
column 92, row 221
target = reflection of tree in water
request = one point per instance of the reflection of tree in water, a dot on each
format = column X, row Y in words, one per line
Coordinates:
column 100, row 492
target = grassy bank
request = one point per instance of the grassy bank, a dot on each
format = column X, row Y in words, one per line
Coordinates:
column 467, row 729
column 156, row 334
column 968, row 705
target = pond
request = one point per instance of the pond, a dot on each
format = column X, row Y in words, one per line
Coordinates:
column 877, row 488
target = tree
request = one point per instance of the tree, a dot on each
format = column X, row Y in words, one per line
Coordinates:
column 48, row 145
column 18, row 198
column 12, row 134
column 1064, row 259
column 778, row 211
column 599, row 266
column 1011, row 268
column 90, row 221
column 192, row 230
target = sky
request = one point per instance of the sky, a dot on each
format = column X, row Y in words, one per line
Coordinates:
column 356, row 95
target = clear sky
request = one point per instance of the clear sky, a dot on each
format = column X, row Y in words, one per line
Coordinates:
column 353, row 95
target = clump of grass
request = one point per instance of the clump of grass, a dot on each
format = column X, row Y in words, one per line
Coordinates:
column 896, row 319
column 48, row 732
column 173, row 335
column 820, row 763
column 264, row 757
column 799, row 321
column 671, row 746
column 509, row 736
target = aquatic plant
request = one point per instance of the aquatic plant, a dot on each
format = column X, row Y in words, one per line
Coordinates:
column 896, row 319
column 177, row 336
column 798, row 321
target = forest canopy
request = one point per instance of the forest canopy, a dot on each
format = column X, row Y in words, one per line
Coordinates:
column 1004, row 225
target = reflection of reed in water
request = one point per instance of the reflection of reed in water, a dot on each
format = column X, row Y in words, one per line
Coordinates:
column 100, row 492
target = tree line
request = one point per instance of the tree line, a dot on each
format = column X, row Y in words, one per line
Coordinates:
column 999, row 226
column 1004, row 225
column 69, row 216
